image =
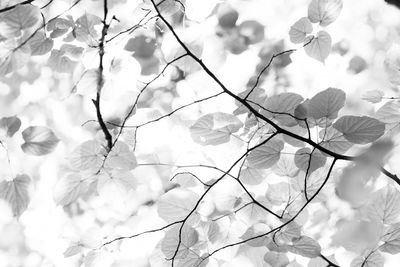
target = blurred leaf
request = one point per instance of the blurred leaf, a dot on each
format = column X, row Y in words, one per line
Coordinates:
column 299, row 30
column 324, row 12
column 72, row 250
column 265, row 156
column 360, row 130
column 318, row 47
column 373, row 96
column 16, row 193
column 69, row 188
column 39, row 140
column 368, row 259
column 143, row 46
column 306, row 247
column 10, row 125
column 176, row 204
column 392, row 64
column 391, row 240
column 326, row 104
column 215, row 128
column 252, row 30
column 276, row 259
column 227, row 16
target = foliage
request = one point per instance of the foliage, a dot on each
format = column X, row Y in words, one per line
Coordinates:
column 257, row 172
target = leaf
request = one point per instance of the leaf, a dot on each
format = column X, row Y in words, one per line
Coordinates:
column 255, row 230
column 88, row 156
column 14, row 60
column 389, row 112
column 185, row 179
column 72, row 250
column 188, row 238
column 20, row 18
column 360, row 130
column 252, row 31
column 392, row 64
column 265, row 156
column 285, row 166
column 122, row 180
column 391, row 240
column 384, row 205
column 143, row 46
column 69, row 188
column 317, row 262
column 258, row 96
column 306, row 247
column 39, row 140
column 373, row 96
column 40, row 44
column 299, row 30
column 10, row 125
column 214, row 232
column 176, row 204
column 278, row 193
column 324, row 12
column 276, row 259
column 334, row 140
column 368, row 259
column 326, row 104
column 120, row 157
column 305, row 159
column 280, row 107
column 215, row 128
column 289, row 232
column 16, row 193
column 251, row 176
column 72, row 50
column 84, row 28
column 318, row 47
column 86, row 85
column 61, row 63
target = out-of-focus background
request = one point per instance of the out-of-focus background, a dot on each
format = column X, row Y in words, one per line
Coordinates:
column 361, row 37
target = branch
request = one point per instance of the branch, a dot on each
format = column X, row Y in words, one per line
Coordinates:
column 330, row 263
column 139, row 234
column 278, row 129
column 208, row 190
column 284, row 224
column 14, row 6
column 100, row 79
